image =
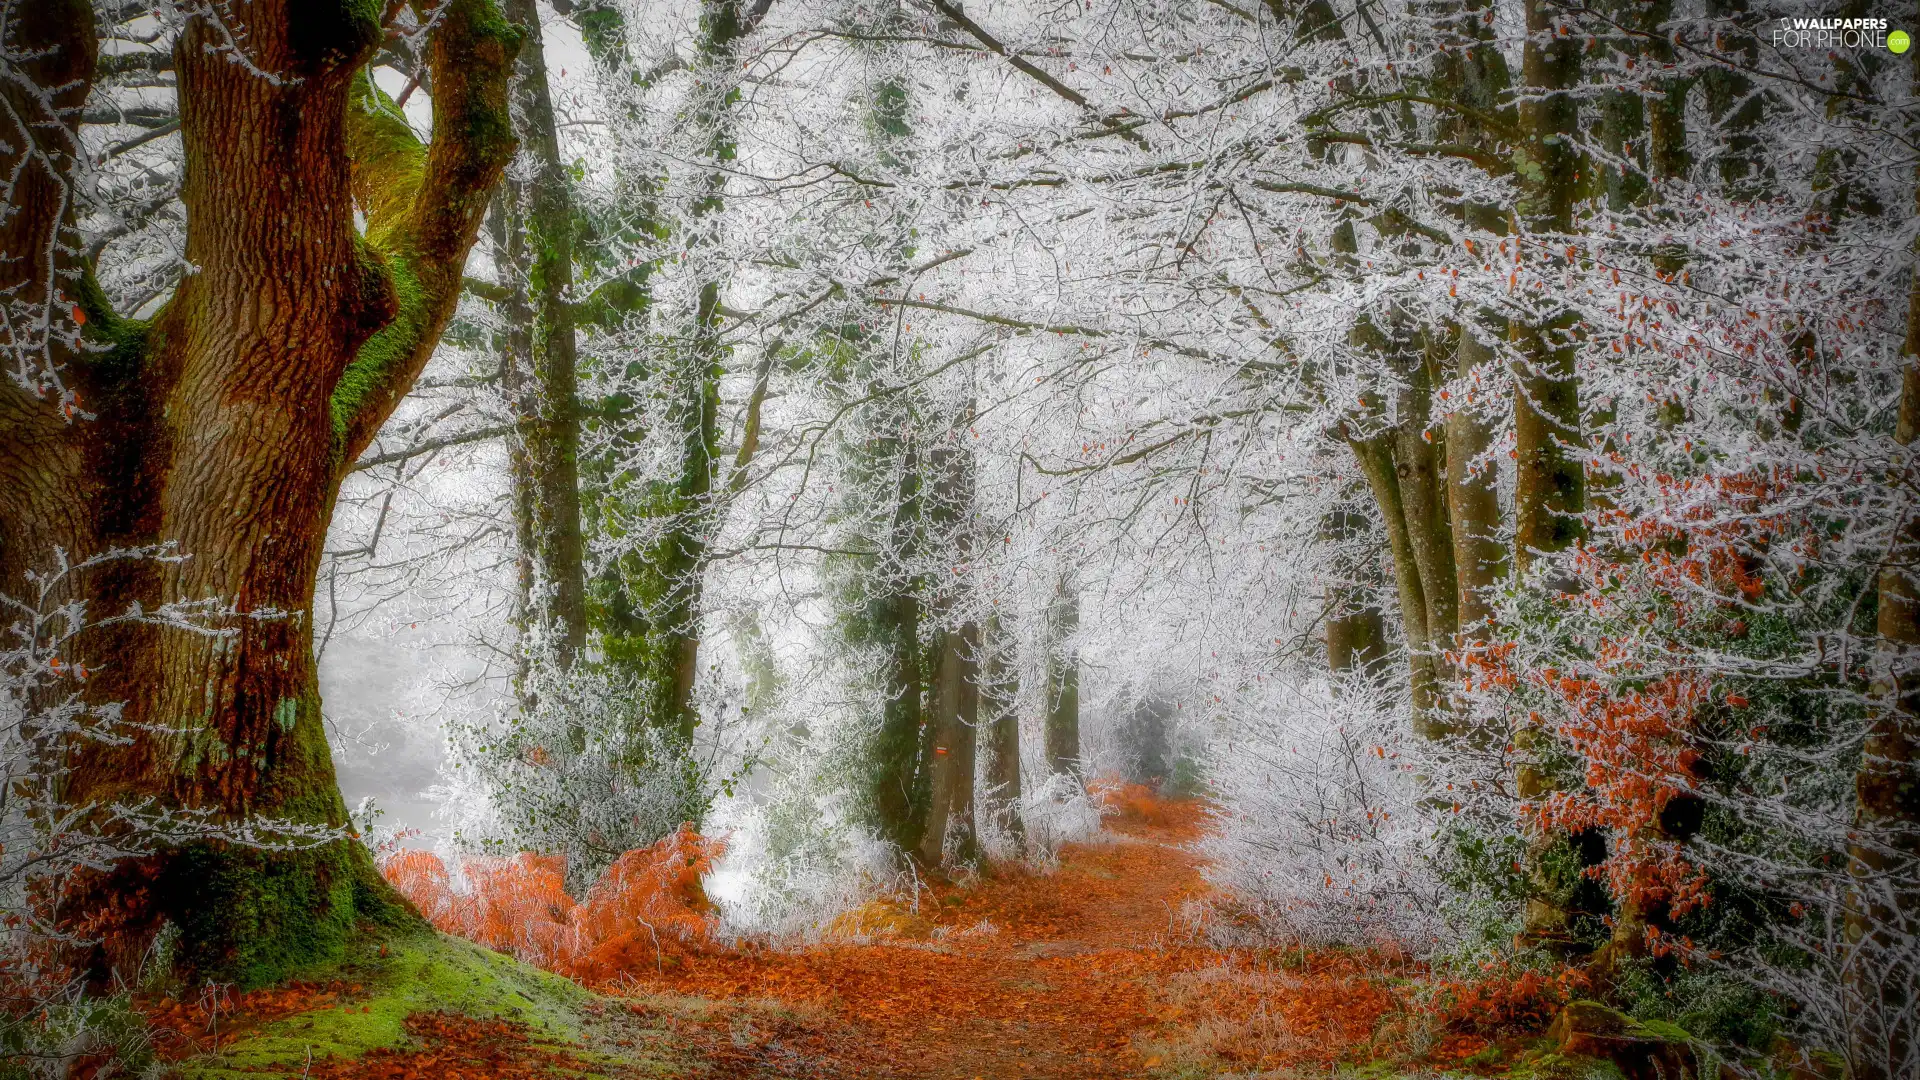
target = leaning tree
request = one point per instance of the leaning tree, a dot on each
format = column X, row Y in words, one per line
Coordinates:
column 325, row 245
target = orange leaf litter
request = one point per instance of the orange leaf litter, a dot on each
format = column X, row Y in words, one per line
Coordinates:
column 1092, row 970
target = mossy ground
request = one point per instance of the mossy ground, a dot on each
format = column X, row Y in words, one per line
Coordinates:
column 423, row 972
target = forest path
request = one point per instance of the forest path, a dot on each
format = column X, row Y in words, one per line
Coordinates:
column 1017, row 974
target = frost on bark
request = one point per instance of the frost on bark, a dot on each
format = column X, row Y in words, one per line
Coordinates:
column 226, row 423
column 533, row 242
column 889, row 621
column 654, row 610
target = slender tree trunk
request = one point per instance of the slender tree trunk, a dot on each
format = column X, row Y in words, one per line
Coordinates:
column 1063, row 681
column 999, row 691
column 1356, row 634
column 1404, row 469
column 1550, row 479
column 1376, row 457
column 1883, row 909
column 514, row 343
column 535, row 240
column 1550, row 485
column 956, row 674
column 1473, row 497
column 1420, row 453
column 898, row 785
column 674, row 574
column 227, row 423
column 685, row 548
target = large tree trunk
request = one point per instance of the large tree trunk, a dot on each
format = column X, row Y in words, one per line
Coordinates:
column 1471, row 73
column 227, row 424
column 534, row 241
column 956, row 719
column 1550, row 485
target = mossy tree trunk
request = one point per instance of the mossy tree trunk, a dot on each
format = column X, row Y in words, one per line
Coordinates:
column 897, row 792
column 660, row 605
column 1473, row 496
column 226, row 424
column 1550, row 484
column 1472, row 78
column 533, row 232
column 1404, row 464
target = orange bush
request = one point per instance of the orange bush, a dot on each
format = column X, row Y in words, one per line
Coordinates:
column 1502, row 999
column 650, row 900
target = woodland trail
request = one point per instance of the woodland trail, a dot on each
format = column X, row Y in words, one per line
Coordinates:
column 1086, row 972
column 1095, row 969
column 1021, row 974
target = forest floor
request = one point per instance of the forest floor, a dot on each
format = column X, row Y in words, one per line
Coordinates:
column 1090, row 970
column 1096, row 968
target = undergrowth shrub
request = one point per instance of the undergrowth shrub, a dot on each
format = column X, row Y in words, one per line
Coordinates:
column 1321, row 837
column 573, row 768
column 1500, row 998
column 1055, row 812
column 649, row 904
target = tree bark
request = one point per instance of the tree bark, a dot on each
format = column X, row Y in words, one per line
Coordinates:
column 897, row 788
column 1375, row 455
column 1473, row 498
column 535, row 206
column 999, row 691
column 1063, row 681
column 227, row 424
column 1550, row 478
column 1550, row 485
column 1883, row 907
column 956, row 671
column 1471, row 72
column 956, row 704
column 1404, row 467
column 662, row 591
